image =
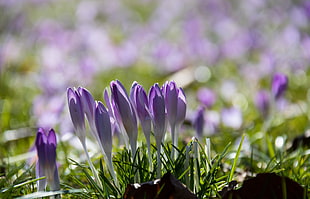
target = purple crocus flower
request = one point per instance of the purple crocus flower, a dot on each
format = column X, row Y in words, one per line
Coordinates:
column 159, row 115
column 199, row 122
column 46, row 164
column 103, row 126
column 158, row 112
column 176, row 108
column 115, row 126
column 125, row 112
column 232, row 117
column 279, row 85
column 88, row 104
column 140, row 101
column 78, row 120
column 170, row 92
column 206, row 97
column 76, row 112
column 262, row 102
column 181, row 113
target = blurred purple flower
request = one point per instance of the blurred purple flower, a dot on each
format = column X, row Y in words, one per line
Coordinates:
column 232, row 117
column 48, row 110
column 76, row 112
column 262, row 102
column 199, row 121
column 206, row 97
column 46, row 164
column 306, row 8
column 126, row 112
column 279, row 85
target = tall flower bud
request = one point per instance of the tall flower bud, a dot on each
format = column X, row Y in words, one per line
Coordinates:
column 46, row 164
column 125, row 112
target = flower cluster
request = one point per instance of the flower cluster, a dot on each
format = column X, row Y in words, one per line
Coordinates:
column 162, row 105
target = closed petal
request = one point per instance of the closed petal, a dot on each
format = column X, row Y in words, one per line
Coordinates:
column 76, row 110
column 171, row 98
column 181, row 107
column 103, row 126
column 88, row 103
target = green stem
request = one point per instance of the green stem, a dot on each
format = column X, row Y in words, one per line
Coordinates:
column 90, row 163
column 158, row 160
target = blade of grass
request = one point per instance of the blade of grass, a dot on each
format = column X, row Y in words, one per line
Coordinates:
column 236, row 159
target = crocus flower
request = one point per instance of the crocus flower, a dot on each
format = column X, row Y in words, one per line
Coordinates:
column 262, row 102
column 115, row 126
column 176, row 108
column 140, row 101
column 103, row 126
column 88, row 104
column 158, row 112
column 159, row 115
column 279, row 85
column 46, row 164
column 232, row 117
column 199, row 122
column 206, row 97
column 76, row 112
column 170, row 91
column 78, row 119
column 125, row 112
column 181, row 113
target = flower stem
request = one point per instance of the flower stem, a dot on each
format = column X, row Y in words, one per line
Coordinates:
column 91, row 164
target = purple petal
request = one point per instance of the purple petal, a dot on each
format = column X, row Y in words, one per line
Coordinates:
column 279, row 85
column 206, row 97
column 123, row 105
column 46, row 165
column 126, row 112
column 232, row 117
column 181, row 110
column 88, row 103
column 171, row 100
column 40, row 146
column 158, row 111
column 115, row 126
column 76, row 109
column 262, row 102
column 51, row 138
column 133, row 92
column 103, row 126
column 142, row 104
column 199, row 121
column 51, row 148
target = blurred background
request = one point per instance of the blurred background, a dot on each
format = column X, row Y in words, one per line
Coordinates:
column 230, row 49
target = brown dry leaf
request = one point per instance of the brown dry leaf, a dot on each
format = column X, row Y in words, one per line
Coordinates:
column 168, row 187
